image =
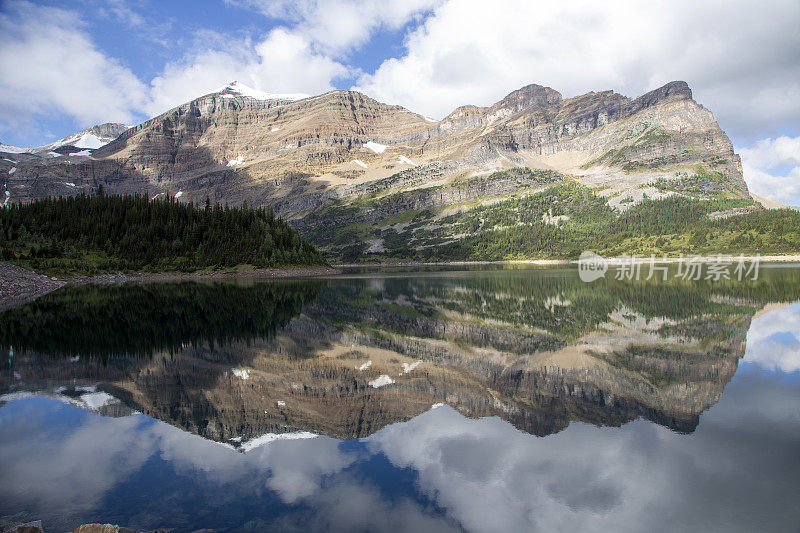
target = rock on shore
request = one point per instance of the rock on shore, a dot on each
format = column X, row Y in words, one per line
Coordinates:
column 19, row 285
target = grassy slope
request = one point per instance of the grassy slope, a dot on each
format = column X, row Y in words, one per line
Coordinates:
column 514, row 226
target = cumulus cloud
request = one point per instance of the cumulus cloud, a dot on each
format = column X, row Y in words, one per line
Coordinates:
column 772, row 341
column 454, row 52
column 51, row 66
column 468, row 51
column 338, row 26
column 45, row 477
column 491, row 477
column 282, row 62
column 772, row 168
column 42, row 463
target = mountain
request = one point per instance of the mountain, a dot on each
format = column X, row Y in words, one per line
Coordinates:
column 8, row 149
column 339, row 164
column 239, row 144
column 90, row 138
column 239, row 89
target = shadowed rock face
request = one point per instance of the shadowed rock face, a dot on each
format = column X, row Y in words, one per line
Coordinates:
column 234, row 148
column 351, row 357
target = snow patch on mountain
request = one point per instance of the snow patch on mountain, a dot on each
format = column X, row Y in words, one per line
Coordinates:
column 13, row 149
column 241, row 373
column 87, row 140
column 375, row 147
column 381, row 381
column 96, row 400
column 238, row 160
column 359, row 163
column 271, row 437
column 239, row 89
column 90, row 139
column 408, row 367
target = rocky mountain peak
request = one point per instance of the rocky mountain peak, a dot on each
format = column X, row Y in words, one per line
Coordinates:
column 236, row 88
column 674, row 90
column 110, row 130
column 528, row 96
column 88, row 139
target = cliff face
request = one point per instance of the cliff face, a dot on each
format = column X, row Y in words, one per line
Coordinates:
column 233, row 147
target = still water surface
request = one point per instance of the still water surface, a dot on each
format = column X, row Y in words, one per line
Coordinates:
column 479, row 400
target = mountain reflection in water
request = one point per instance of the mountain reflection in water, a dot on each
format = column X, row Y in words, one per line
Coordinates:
column 250, row 366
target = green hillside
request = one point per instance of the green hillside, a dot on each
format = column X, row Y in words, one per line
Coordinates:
column 555, row 218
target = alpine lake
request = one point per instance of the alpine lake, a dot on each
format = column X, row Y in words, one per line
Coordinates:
column 513, row 398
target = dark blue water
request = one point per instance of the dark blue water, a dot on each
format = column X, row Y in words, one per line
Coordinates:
column 640, row 442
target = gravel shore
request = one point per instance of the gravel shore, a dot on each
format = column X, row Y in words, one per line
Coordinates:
column 19, row 285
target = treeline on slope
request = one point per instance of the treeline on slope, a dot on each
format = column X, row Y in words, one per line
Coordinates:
column 138, row 320
column 91, row 234
column 517, row 228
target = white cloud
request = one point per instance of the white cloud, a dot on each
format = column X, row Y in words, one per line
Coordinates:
column 469, row 51
column 121, row 11
column 491, row 477
column 772, row 341
column 283, row 62
column 41, row 464
column 84, row 458
column 463, row 51
column 772, row 168
column 771, row 153
column 51, row 66
column 338, row 26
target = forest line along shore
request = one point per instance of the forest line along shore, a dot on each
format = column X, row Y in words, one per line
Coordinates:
column 18, row 285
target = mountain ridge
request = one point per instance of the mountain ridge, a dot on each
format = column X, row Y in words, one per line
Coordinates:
column 343, row 150
column 606, row 106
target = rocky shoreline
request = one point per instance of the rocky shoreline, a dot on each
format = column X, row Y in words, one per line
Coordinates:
column 19, row 285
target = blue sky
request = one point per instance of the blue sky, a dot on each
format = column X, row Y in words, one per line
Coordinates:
column 68, row 65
